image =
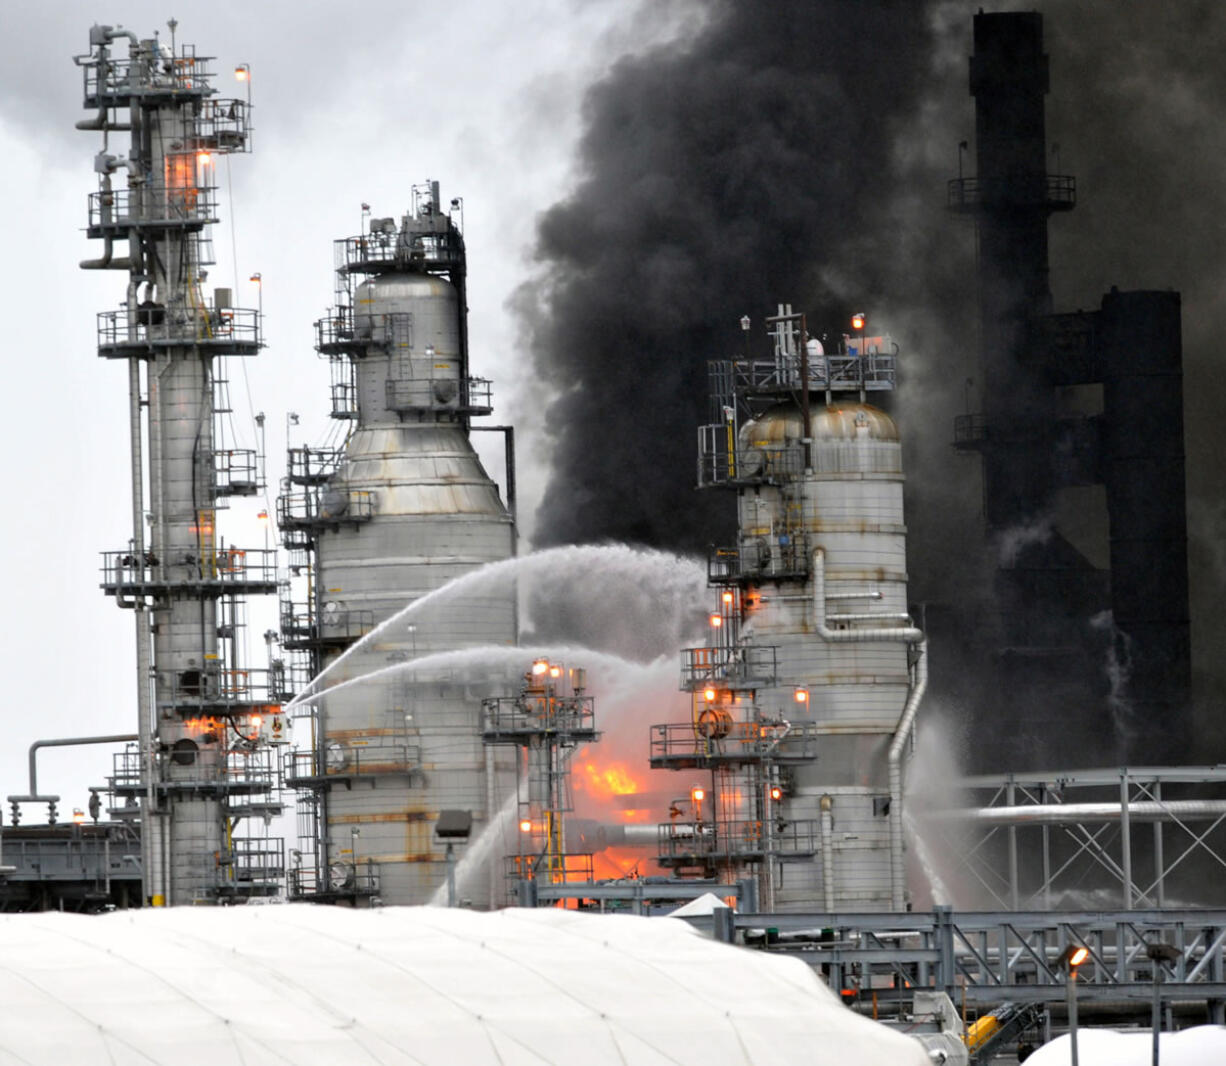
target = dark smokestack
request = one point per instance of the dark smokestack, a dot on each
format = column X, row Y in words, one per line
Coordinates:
column 742, row 167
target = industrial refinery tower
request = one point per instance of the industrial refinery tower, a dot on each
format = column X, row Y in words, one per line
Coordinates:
column 1081, row 439
column 399, row 509
column 804, row 703
column 205, row 764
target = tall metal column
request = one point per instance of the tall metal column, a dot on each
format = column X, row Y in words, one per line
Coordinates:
column 204, row 760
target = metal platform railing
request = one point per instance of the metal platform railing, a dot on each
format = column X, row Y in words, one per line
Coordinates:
column 464, row 396
column 722, row 461
column 748, row 666
column 151, row 206
column 378, row 756
column 343, row 880
column 254, row 863
column 250, row 773
column 782, row 556
column 525, row 716
column 302, row 628
column 1054, row 192
column 683, row 745
column 237, row 472
column 222, row 570
column 565, row 868
column 324, row 507
column 695, row 843
column 312, row 466
column 121, row 77
column 232, row 330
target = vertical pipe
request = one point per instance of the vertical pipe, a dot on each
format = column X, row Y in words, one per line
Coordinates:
column 1046, row 861
column 151, row 868
column 1071, row 988
column 1126, row 840
column 1159, row 858
column 827, row 829
column 1010, row 792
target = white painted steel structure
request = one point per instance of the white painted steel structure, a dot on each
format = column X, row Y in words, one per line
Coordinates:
column 820, row 579
column 403, row 508
column 203, row 763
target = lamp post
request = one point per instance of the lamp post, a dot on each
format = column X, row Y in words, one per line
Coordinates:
column 1074, row 955
column 1159, row 954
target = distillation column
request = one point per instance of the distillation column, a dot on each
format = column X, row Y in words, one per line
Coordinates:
column 403, row 508
column 817, row 582
column 204, row 761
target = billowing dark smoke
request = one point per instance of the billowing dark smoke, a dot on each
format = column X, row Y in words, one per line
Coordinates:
column 797, row 151
column 721, row 175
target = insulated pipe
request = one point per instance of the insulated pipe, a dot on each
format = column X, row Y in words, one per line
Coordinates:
column 1064, row 813
column 898, row 634
column 827, row 834
column 68, row 742
column 107, row 261
column 915, row 693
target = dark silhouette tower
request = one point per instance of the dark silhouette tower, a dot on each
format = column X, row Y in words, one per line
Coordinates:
column 1093, row 663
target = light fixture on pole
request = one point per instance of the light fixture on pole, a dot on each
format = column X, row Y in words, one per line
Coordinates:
column 1159, row 954
column 1072, row 957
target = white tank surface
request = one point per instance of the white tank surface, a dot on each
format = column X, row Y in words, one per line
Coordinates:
column 433, row 986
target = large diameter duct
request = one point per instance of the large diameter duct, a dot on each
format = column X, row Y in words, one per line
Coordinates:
column 839, row 526
column 408, row 748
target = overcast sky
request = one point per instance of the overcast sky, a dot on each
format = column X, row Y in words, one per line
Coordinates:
column 353, row 103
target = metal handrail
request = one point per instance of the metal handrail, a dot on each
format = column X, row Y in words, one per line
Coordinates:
column 736, row 741
column 740, row 839
column 127, row 571
column 153, row 205
column 179, row 326
column 737, row 665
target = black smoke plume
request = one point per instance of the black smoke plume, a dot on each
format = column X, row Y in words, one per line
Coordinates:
column 797, row 151
column 721, row 175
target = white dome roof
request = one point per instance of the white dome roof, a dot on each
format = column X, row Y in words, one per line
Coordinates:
column 323, row 985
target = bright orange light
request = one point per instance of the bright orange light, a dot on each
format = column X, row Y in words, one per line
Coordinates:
column 262, row 516
column 539, row 667
column 1079, row 956
column 727, row 597
column 241, row 74
column 257, row 721
column 709, row 695
column 204, row 159
column 698, row 794
column 776, row 793
column 716, row 621
column 555, row 672
column 801, row 695
column 614, row 780
column 78, row 816
column 525, row 826
column 857, row 321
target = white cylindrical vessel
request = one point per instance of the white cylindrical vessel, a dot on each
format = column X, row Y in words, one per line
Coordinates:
column 849, row 503
column 413, row 510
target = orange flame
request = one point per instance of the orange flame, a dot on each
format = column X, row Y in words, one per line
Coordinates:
column 613, row 780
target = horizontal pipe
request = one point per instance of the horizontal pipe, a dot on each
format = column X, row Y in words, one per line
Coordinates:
column 1060, row 813
column 894, row 634
column 69, row 742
